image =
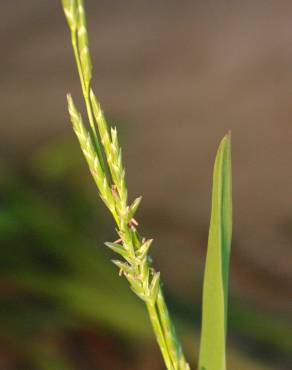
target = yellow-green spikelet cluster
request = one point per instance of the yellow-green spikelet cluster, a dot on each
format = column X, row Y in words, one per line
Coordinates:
column 113, row 154
column 144, row 281
column 90, row 156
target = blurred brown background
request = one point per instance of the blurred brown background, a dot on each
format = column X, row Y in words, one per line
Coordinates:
column 174, row 76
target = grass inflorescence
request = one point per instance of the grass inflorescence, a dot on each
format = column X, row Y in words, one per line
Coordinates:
column 102, row 151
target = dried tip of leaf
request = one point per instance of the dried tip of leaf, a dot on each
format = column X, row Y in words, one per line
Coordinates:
column 227, row 137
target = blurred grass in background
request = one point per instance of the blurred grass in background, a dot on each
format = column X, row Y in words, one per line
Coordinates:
column 62, row 305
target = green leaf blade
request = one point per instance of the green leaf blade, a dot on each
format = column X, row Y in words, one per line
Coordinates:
column 215, row 290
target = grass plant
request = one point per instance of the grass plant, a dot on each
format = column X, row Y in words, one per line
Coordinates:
column 101, row 149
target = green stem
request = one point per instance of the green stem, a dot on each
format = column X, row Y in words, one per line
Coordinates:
column 167, row 329
column 154, row 318
column 165, row 334
column 174, row 346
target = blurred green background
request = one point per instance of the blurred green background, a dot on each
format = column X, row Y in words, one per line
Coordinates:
column 174, row 77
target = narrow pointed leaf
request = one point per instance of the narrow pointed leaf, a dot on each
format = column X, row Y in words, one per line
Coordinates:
column 215, row 290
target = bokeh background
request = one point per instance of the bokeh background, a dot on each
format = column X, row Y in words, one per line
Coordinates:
column 174, row 76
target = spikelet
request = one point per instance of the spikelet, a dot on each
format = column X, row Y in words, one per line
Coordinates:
column 70, row 10
column 113, row 154
column 83, row 44
column 91, row 156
